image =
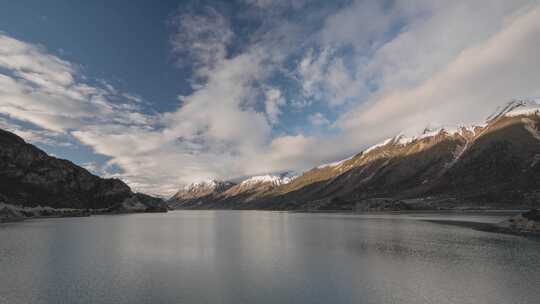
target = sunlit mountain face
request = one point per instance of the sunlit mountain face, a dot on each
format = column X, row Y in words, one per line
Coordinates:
column 167, row 94
column 493, row 164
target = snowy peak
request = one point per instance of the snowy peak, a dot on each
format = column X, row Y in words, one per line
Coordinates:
column 334, row 164
column 516, row 108
column 208, row 185
column 393, row 141
column 274, row 180
column 461, row 130
column 402, row 140
column 256, row 186
column 202, row 188
column 431, row 135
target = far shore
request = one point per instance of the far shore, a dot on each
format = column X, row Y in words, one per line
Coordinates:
column 480, row 226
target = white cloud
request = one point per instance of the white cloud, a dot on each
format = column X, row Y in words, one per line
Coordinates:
column 312, row 70
column 467, row 88
column 93, row 167
column 318, row 119
column 273, row 102
column 325, row 77
column 35, row 136
column 32, row 63
column 200, row 38
column 266, row 4
column 362, row 24
column 41, row 89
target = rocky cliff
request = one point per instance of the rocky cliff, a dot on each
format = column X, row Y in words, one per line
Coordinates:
column 29, row 177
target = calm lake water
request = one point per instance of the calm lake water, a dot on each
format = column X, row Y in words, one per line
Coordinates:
column 264, row 257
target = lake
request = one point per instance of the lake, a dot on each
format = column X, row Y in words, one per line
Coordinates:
column 264, row 257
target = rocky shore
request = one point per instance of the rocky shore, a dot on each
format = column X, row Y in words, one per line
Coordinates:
column 525, row 224
column 139, row 203
column 528, row 222
column 12, row 213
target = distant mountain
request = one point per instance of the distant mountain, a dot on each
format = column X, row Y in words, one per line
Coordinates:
column 29, row 177
column 217, row 194
column 257, row 187
column 199, row 193
column 494, row 164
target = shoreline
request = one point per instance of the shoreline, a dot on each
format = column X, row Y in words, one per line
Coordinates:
column 21, row 219
column 479, row 226
column 487, row 227
column 420, row 211
column 69, row 215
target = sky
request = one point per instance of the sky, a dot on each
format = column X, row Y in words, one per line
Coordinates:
column 165, row 93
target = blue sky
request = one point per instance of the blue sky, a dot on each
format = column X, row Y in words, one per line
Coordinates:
column 123, row 42
column 163, row 93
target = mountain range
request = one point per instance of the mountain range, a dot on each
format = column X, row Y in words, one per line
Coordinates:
column 495, row 164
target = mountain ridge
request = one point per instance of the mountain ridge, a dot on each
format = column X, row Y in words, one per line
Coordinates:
column 431, row 166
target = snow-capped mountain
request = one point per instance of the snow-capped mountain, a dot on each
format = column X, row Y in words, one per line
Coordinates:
column 205, row 191
column 208, row 186
column 516, row 108
column 257, row 186
column 198, row 192
column 493, row 163
column 465, row 131
column 274, row 180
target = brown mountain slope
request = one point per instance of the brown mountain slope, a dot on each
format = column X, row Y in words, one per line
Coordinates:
column 494, row 165
column 499, row 165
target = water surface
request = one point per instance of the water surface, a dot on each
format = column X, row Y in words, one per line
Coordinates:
column 264, row 257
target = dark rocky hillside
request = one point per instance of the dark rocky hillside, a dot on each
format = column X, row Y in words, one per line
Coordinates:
column 29, row 177
column 501, row 166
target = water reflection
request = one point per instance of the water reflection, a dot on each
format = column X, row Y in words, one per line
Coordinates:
column 263, row 257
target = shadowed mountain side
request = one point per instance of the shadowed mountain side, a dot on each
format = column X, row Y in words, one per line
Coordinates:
column 29, row 177
column 502, row 166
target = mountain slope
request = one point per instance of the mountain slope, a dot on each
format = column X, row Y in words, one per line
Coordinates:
column 29, row 177
column 501, row 165
column 199, row 193
column 216, row 194
column 496, row 163
column 493, row 164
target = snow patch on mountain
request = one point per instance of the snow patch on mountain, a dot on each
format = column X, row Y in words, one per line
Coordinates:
column 393, row 141
column 526, row 110
column 334, row 164
column 276, row 180
column 402, row 140
column 208, row 184
column 517, row 108
column 379, row 145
